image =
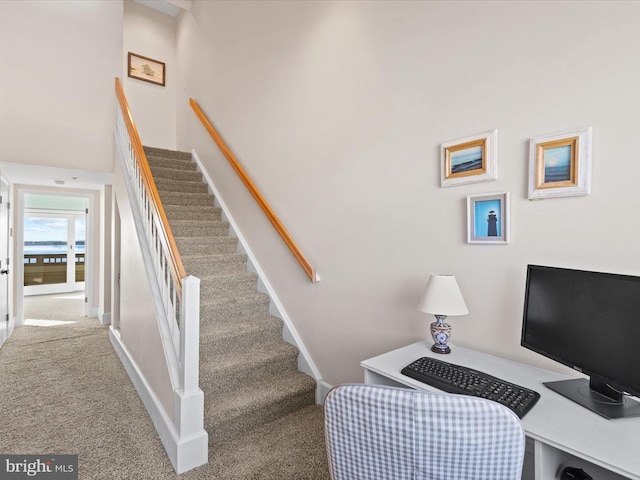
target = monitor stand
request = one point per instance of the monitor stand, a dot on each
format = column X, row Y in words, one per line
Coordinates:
column 580, row 391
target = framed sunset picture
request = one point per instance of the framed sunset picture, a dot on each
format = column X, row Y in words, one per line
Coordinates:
column 469, row 160
column 560, row 164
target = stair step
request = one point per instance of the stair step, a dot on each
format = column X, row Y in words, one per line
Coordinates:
column 202, row 228
column 234, row 413
column 187, row 212
column 289, row 448
column 174, row 163
column 205, row 265
column 189, row 246
column 232, row 370
column 163, row 152
column 190, row 199
column 176, row 185
column 236, row 334
column 175, row 174
column 227, row 285
column 238, row 307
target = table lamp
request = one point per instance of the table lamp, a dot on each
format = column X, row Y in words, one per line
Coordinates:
column 442, row 297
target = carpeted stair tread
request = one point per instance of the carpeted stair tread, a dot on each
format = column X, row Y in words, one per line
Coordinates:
column 222, row 309
column 181, row 174
column 240, row 300
column 187, row 212
column 230, row 280
column 163, row 152
column 289, row 448
column 191, row 199
column 256, row 404
column 203, row 265
column 232, row 370
column 245, row 401
column 183, row 186
column 236, row 333
column 175, row 163
column 195, row 228
column 224, row 285
column 206, row 245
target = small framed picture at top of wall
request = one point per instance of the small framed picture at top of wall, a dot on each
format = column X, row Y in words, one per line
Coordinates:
column 469, row 160
column 146, row 69
column 560, row 164
column 488, row 218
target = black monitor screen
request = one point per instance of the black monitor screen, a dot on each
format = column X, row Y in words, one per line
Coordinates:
column 589, row 321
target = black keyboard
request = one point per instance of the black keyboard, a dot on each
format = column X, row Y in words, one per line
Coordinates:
column 458, row 379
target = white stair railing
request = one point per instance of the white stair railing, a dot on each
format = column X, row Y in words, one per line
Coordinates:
column 177, row 296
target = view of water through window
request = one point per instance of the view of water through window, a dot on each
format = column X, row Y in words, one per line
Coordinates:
column 49, row 235
column 47, row 257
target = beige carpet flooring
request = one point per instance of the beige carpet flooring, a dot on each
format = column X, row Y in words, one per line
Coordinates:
column 63, row 390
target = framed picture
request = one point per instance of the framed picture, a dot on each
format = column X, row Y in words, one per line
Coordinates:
column 560, row 164
column 469, row 160
column 488, row 218
column 146, row 69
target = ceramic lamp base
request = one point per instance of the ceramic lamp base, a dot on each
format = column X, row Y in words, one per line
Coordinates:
column 440, row 332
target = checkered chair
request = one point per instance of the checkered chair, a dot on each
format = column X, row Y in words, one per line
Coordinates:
column 375, row 432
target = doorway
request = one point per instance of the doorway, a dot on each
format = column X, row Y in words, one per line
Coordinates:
column 4, row 260
column 53, row 247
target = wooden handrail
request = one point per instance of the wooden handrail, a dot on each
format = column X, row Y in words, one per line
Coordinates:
column 266, row 208
column 175, row 262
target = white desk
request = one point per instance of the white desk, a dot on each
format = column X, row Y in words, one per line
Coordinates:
column 563, row 433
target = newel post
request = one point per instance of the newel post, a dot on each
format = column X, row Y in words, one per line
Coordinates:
column 190, row 333
column 192, row 448
column 189, row 418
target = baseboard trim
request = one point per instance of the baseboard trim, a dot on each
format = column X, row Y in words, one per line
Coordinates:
column 12, row 326
column 105, row 318
column 322, row 391
column 184, row 453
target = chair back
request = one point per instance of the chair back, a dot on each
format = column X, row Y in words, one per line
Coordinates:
column 374, row 432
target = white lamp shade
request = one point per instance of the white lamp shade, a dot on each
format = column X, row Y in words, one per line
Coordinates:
column 442, row 296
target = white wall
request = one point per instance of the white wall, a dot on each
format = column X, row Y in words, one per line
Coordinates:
column 135, row 316
column 57, row 68
column 150, row 33
column 337, row 110
column 58, row 62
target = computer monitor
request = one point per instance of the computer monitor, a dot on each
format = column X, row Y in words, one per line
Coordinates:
column 589, row 321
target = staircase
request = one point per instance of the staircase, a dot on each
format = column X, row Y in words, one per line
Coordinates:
column 248, row 373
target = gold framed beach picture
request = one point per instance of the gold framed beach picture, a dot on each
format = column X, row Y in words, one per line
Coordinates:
column 560, row 164
column 469, row 160
column 146, row 69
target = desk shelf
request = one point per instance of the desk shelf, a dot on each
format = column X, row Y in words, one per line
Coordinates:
column 550, row 461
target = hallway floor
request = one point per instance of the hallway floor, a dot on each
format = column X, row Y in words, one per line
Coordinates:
column 45, row 310
column 64, row 391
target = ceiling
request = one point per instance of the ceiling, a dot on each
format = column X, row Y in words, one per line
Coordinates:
column 38, row 175
column 170, row 7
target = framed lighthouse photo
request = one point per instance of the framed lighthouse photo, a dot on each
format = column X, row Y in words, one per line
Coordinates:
column 488, row 218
